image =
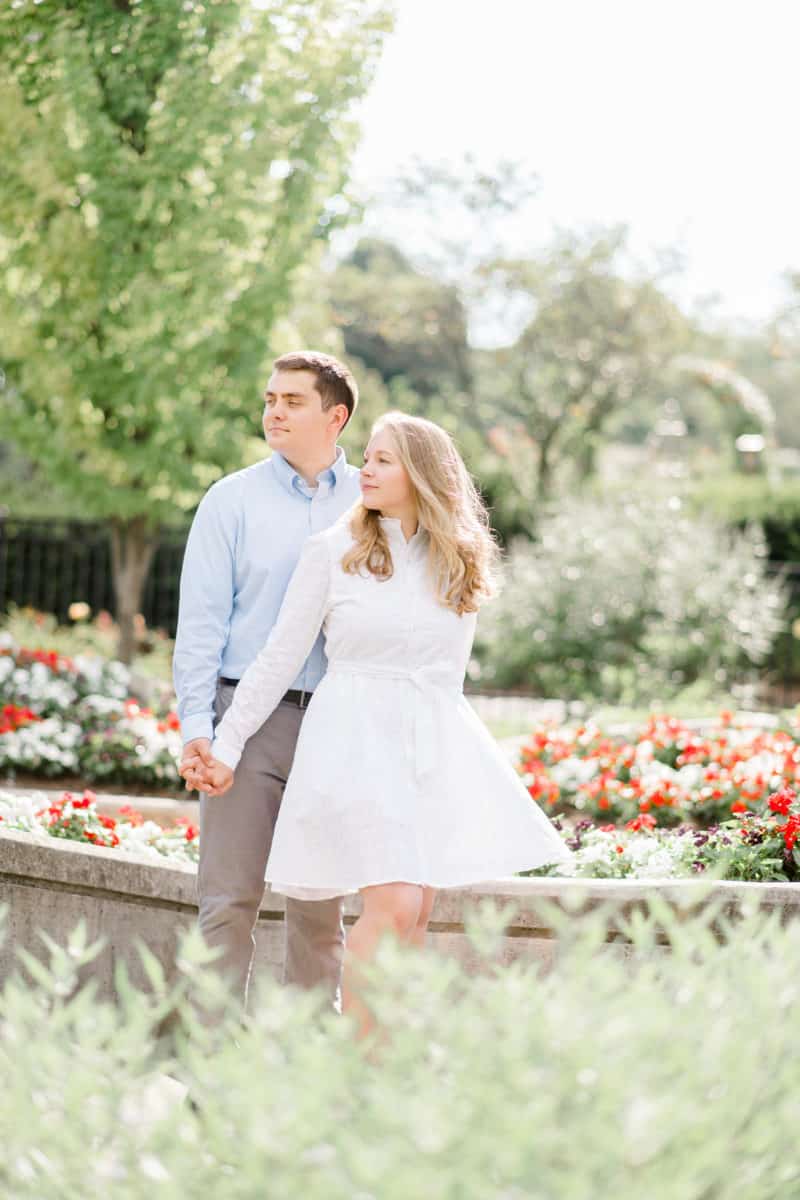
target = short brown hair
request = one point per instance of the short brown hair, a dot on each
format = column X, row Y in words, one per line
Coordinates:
column 335, row 382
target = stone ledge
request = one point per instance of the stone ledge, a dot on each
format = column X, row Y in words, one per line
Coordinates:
column 50, row 883
column 100, row 869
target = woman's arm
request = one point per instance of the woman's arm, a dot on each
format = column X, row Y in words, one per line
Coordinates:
column 277, row 663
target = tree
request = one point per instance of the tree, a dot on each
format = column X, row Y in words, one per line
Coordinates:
column 405, row 333
column 399, row 321
column 598, row 336
column 164, row 171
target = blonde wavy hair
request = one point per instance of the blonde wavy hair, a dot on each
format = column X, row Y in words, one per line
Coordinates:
column 462, row 556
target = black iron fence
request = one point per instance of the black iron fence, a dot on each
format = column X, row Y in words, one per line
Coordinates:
column 51, row 564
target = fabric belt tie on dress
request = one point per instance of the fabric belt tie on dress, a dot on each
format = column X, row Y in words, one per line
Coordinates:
column 423, row 679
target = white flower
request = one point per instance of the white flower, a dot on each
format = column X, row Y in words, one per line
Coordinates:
column 572, row 773
column 105, row 705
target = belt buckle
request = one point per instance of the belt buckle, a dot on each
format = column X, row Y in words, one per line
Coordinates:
column 303, row 703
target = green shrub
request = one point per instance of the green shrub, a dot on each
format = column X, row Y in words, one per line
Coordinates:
column 626, row 599
column 741, row 499
column 671, row 1076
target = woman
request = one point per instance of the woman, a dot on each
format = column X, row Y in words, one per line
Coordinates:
column 397, row 788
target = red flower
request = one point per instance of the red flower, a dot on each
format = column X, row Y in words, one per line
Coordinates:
column 643, row 821
column 781, row 801
column 14, row 717
column 134, row 817
column 738, row 806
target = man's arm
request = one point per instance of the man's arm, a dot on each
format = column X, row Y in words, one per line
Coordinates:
column 263, row 684
column 204, row 616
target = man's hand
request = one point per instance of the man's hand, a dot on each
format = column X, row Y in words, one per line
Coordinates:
column 197, row 758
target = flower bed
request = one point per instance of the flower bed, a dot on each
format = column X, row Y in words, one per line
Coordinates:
column 78, row 717
column 670, row 801
column 77, row 819
column 755, row 847
column 666, row 769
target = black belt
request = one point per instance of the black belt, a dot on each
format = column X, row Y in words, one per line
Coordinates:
column 301, row 699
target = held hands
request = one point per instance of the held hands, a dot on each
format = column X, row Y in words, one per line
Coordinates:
column 202, row 771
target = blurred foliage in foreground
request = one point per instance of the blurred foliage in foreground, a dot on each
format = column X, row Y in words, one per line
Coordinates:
column 603, row 1077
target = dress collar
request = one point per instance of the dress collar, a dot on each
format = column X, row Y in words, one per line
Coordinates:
column 293, row 481
column 393, row 528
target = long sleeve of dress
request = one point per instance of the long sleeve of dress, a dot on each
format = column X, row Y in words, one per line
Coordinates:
column 277, row 663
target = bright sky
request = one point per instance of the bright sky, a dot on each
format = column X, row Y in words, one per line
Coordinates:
column 678, row 118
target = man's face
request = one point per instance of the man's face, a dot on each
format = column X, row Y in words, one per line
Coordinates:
column 295, row 422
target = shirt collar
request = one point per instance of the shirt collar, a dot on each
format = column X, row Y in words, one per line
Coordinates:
column 393, row 528
column 294, row 482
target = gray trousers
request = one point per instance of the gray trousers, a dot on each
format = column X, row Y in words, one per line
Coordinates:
column 235, row 838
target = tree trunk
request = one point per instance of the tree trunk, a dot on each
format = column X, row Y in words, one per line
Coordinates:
column 544, row 480
column 586, row 458
column 132, row 550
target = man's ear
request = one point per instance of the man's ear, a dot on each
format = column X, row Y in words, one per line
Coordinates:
column 343, row 407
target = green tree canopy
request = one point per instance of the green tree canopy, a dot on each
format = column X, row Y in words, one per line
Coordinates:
column 400, row 321
column 164, row 168
column 598, row 336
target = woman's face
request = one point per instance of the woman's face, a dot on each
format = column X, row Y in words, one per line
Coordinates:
column 385, row 484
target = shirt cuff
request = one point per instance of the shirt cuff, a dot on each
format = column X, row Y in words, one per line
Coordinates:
column 199, row 725
column 225, row 753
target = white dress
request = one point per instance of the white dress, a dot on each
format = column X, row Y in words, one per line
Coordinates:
column 394, row 778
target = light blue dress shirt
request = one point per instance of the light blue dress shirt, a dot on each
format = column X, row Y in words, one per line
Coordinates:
column 242, row 548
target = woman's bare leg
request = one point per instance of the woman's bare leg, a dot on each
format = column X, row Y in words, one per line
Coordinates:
column 388, row 908
column 417, row 937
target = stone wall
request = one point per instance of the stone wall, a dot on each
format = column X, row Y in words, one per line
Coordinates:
column 49, row 884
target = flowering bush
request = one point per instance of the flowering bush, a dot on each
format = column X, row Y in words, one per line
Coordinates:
column 65, row 715
column 130, row 741
column 625, row 599
column 52, row 683
column 76, row 818
column 665, row 769
column 44, row 747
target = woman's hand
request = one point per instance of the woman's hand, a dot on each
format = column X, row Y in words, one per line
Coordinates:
column 214, row 779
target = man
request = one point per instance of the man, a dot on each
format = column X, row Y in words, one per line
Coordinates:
column 243, row 546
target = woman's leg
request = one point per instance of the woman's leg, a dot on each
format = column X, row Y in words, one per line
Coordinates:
column 388, row 908
column 417, row 937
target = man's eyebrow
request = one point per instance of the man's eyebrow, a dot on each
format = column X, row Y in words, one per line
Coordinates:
column 295, row 395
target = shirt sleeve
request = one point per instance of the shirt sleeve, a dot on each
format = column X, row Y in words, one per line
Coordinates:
column 277, row 663
column 204, row 612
